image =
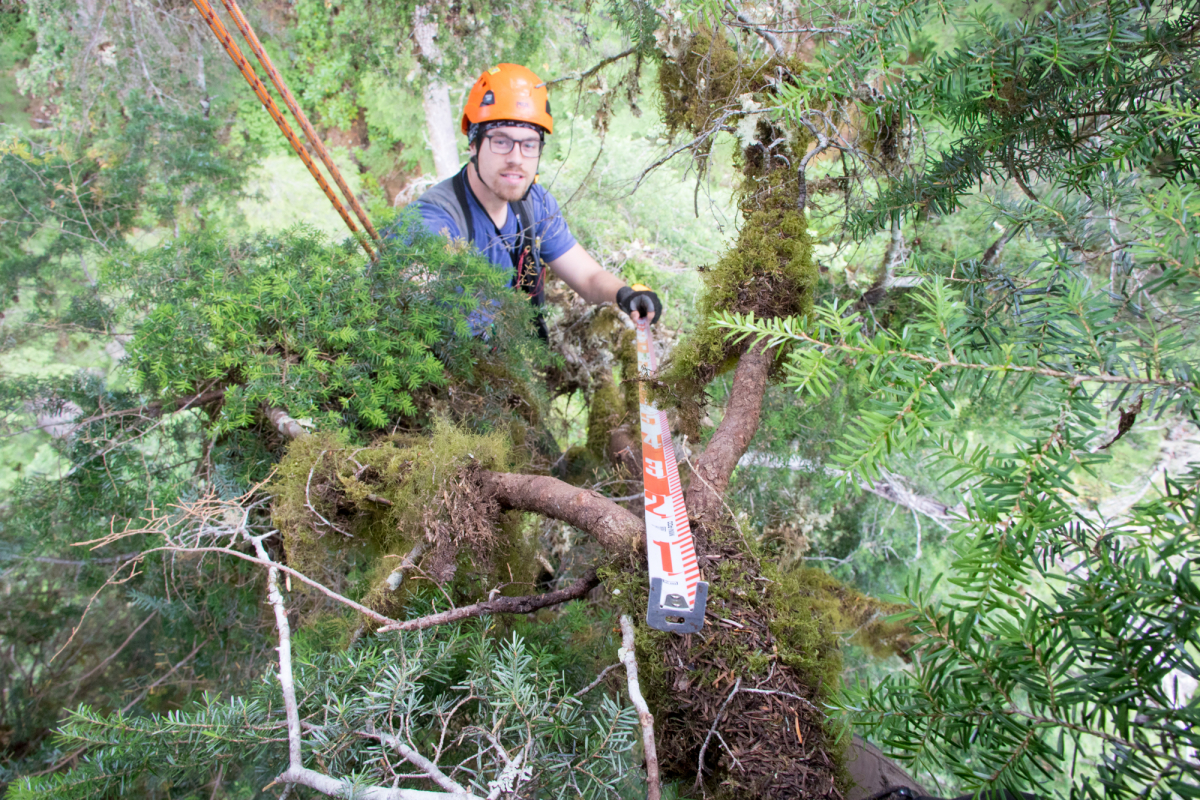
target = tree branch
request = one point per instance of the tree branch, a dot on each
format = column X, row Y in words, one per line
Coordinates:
column 786, row 332
column 629, row 659
column 297, row 773
column 367, row 612
column 336, row 788
column 502, row 605
column 716, row 464
column 281, row 421
column 583, row 76
column 418, row 760
column 750, row 25
column 617, row 530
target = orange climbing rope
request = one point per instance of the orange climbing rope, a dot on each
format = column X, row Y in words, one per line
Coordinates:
column 239, row 20
column 235, row 53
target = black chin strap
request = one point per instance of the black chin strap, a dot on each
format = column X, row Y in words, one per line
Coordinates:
column 475, row 161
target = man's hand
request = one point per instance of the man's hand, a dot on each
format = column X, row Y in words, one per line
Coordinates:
column 639, row 301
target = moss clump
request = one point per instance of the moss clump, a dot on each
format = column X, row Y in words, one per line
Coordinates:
column 807, row 610
column 606, row 412
column 770, row 272
column 708, row 77
column 704, row 77
column 382, row 500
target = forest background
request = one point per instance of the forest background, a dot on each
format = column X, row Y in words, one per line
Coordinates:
column 958, row 243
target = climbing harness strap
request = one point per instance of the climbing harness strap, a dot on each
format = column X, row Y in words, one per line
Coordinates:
column 677, row 595
column 222, row 33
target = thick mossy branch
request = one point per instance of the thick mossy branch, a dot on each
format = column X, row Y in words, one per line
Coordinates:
column 715, row 466
column 775, row 630
column 385, row 499
column 770, row 270
column 757, row 675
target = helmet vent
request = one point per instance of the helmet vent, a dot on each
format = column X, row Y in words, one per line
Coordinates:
column 547, row 105
column 489, row 99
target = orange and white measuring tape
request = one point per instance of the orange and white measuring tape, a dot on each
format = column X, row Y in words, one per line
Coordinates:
column 677, row 595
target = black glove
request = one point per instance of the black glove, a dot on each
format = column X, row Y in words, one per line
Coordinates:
column 639, row 297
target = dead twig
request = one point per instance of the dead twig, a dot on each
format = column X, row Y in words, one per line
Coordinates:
column 501, row 605
column 711, row 731
column 629, row 659
column 308, row 498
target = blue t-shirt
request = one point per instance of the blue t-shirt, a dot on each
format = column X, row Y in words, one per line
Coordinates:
column 495, row 246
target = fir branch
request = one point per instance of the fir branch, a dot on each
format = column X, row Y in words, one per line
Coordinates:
column 780, row 331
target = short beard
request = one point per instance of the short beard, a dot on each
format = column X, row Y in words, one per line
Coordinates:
column 508, row 193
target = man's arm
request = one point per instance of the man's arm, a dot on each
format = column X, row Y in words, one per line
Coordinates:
column 589, row 280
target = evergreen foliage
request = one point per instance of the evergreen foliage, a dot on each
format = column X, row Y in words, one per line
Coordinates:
column 1048, row 660
column 295, row 323
column 492, row 712
column 1058, row 659
column 1052, row 656
column 69, row 200
column 1066, row 98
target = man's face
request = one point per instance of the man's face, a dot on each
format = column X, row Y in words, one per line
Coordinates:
column 508, row 176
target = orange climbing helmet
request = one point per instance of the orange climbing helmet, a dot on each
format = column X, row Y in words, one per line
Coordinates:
column 508, row 92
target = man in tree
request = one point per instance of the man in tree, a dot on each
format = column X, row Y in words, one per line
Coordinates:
column 495, row 204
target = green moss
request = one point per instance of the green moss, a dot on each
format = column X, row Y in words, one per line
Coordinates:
column 626, row 354
column 707, row 74
column 770, row 270
column 579, row 464
column 813, row 608
column 377, row 502
column 805, row 623
column 606, row 412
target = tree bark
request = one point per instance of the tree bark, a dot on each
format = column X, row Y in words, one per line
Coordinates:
column 715, row 466
column 439, row 127
column 625, row 449
column 283, row 422
column 618, row 531
column 439, row 121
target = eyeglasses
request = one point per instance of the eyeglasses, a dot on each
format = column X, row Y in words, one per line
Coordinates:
column 502, row 145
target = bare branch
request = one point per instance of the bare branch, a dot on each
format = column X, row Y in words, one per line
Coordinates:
column 716, row 464
column 502, row 605
column 749, row 24
column 418, row 760
column 700, row 760
column 617, row 530
column 168, row 674
column 297, row 773
column 336, row 788
column 629, row 659
column 330, row 593
column 284, row 423
column 114, row 653
column 704, row 136
column 599, row 678
column 583, row 76
column 286, row 682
